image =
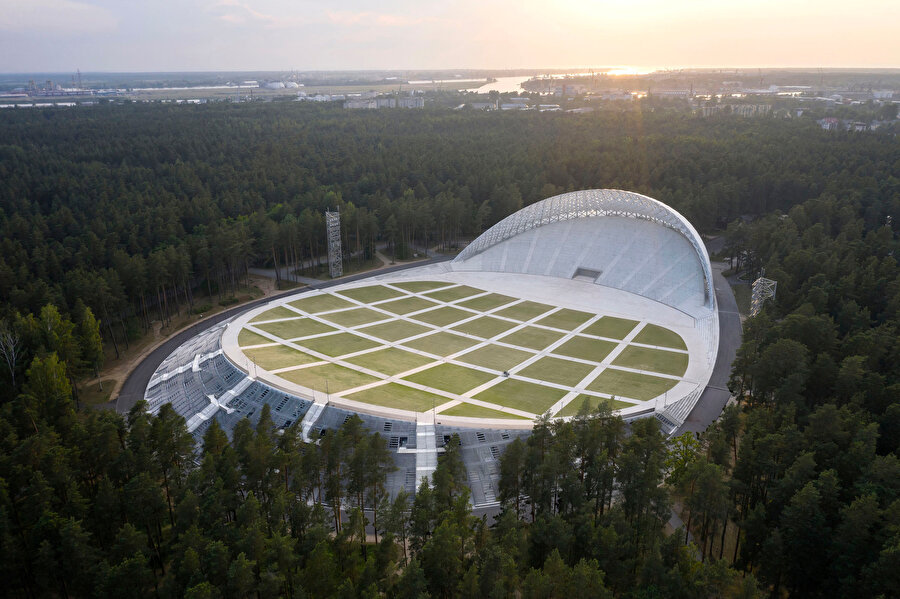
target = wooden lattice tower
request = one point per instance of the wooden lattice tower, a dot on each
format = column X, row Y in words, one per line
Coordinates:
column 333, row 234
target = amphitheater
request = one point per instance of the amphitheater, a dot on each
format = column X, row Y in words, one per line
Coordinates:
column 586, row 297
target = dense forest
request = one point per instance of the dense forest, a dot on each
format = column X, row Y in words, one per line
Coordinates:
column 124, row 212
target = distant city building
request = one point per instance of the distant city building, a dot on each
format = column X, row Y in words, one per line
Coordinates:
column 412, row 102
column 830, row 123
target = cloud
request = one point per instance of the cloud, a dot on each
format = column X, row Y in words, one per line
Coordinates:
column 241, row 13
column 349, row 19
column 59, row 17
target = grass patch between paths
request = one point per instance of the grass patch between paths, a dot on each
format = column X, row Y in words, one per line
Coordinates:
column 532, row 337
column 454, row 293
column 395, row 330
column 557, row 370
column 585, row 348
column 321, row 303
column 370, row 293
column 441, row 343
column 612, row 327
column 274, row 313
column 442, row 316
column 630, row 384
column 247, row 337
column 524, row 310
column 394, row 395
column 420, row 286
column 485, row 327
column 521, row 395
column 390, row 361
column 472, row 411
column 339, row 344
column 486, row 302
column 565, row 319
column 352, row 318
column 405, row 305
column 450, row 377
column 495, row 356
column 572, row 408
column 291, row 329
column 327, row 377
column 656, row 335
column 278, row 356
column 654, row 360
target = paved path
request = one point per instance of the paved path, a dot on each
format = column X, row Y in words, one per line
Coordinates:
column 716, row 394
column 136, row 384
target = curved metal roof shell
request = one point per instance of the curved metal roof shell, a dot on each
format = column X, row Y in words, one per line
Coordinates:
column 593, row 203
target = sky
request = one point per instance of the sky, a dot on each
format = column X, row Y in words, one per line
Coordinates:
column 212, row 35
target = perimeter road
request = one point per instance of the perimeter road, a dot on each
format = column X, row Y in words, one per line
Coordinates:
column 136, row 384
column 716, row 394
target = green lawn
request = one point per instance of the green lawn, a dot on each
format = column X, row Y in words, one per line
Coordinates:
column 352, row 318
column 278, row 356
column 291, row 329
column 275, row 313
column 406, row 305
column 327, row 377
column 654, row 360
column 321, row 303
column 520, row 395
column 442, row 316
column 585, row 348
column 495, row 356
column 524, row 310
column 557, row 370
column 390, row 361
column 472, row 411
column 339, row 344
column 441, row 344
column 247, row 337
column 612, row 327
column 565, row 319
column 371, row 293
column 656, row 335
column 574, row 406
column 394, row 395
column 420, row 286
column 486, row 327
column 450, row 377
column 454, row 293
column 395, row 330
column 486, row 302
column 532, row 337
column 630, row 384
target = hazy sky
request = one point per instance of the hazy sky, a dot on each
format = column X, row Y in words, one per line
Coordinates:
column 176, row 35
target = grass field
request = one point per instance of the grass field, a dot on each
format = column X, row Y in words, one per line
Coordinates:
column 395, row 330
column 352, row 318
column 557, row 370
column 565, row 319
column 654, row 360
column 610, row 326
column 495, row 356
column 247, row 337
column 574, row 406
column 339, row 344
column 420, row 286
column 472, row 411
column 443, row 316
column 485, row 327
column 454, row 293
column 329, row 378
column 406, row 305
column 389, row 361
column 275, row 313
column 486, row 302
column 278, row 356
column 441, row 343
column 321, row 303
column 532, row 338
column 656, row 335
column 291, row 329
column 630, row 384
column 524, row 310
column 371, row 293
column 585, row 348
column 397, row 396
column 520, row 395
column 450, row 377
